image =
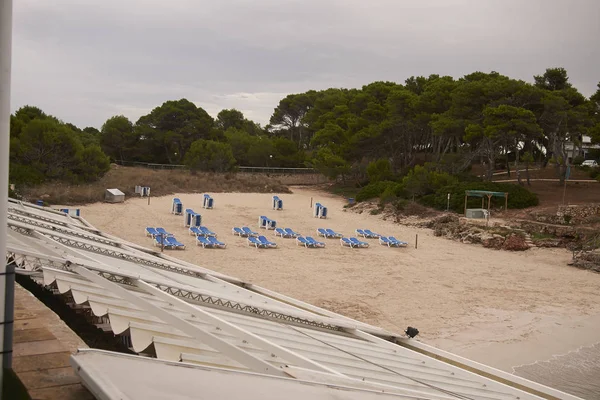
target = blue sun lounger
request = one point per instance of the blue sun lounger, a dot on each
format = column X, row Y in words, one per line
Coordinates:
column 249, row 231
column 252, row 241
column 361, row 232
column 314, row 243
column 162, row 231
column 372, row 234
column 291, row 232
column 174, row 243
column 384, row 241
column 345, row 242
column 206, row 232
column 266, row 242
column 239, row 232
column 204, row 242
column 333, row 234
column 397, row 242
column 177, row 206
column 208, row 201
column 160, row 242
column 358, row 243
column 279, row 232
column 216, row 243
column 300, row 241
column 194, row 231
column 282, row 233
column 151, row 232
column 322, row 232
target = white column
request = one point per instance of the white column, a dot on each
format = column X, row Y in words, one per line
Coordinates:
column 5, row 64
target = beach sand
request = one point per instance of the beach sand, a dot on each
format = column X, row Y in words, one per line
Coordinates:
column 500, row 308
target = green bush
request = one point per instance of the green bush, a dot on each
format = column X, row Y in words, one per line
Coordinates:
column 93, row 165
column 25, row 174
column 208, row 155
column 373, row 190
column 578, row 160
column 13, row 194
column 400, row 204
column 422, row 180
column 518, row 196
column 380, row 170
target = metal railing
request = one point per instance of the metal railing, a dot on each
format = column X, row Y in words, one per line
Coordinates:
column 149, row 165
column 255, row 170
column 277, row 170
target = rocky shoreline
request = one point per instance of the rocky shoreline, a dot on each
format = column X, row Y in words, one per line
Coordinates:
column 542, row 230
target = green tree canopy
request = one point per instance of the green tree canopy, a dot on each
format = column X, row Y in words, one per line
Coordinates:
column 43, row 148
column 209, row 155
column 168, row 131
column 117, row 138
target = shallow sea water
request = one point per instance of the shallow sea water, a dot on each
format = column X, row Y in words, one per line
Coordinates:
column 577, row 372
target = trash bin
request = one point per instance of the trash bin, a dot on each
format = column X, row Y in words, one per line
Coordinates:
column 351, row 200
column 40, row 203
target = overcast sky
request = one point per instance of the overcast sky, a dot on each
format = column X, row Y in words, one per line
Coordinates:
column 85, row 61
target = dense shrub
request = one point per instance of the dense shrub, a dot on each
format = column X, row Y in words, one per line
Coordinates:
column 373, row 190
column 13, row 194
column 595, row 173
column 422, row 180
column 208, row 155
column 392, row 192
column 380, row 170
column 518, row 196
column 42, row 148
column 93, row 164
column 25, row 174
column 578, row 160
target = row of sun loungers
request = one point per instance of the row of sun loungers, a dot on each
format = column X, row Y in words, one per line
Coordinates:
column 309, row 242
column 162, row 238
column 391, row 241
column 261, row 242
column 367, row 233
column 244, row 231
column 286, row 233
column 353, row 242
column 208, row 239
column 153, row 232
column 169, row 242
column 204, row 236
column 328, row 233
column 209, row 242
column 201, row 231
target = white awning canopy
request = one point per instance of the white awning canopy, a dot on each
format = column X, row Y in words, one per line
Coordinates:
column 246, row 341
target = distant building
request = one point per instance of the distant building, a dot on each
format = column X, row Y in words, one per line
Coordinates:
column 580, row 150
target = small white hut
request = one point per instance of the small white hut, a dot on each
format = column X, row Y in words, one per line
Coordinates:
column 114, row 196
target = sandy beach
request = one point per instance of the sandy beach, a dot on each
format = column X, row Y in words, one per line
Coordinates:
column 500, row 308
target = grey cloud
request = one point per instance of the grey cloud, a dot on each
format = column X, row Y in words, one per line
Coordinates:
column 84, row 61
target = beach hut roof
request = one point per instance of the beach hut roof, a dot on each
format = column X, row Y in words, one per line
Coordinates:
column 115, row 192
column 216, row 335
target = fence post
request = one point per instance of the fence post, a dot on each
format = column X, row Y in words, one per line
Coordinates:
column 416, row 240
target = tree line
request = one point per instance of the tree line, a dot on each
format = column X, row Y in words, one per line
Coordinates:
column 179, row 132
column 44, row 148
column 485, row 118
column 450, row 123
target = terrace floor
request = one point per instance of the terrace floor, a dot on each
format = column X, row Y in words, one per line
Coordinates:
column 42, row 345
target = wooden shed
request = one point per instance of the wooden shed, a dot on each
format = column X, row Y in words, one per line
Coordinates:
column 114, row 196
